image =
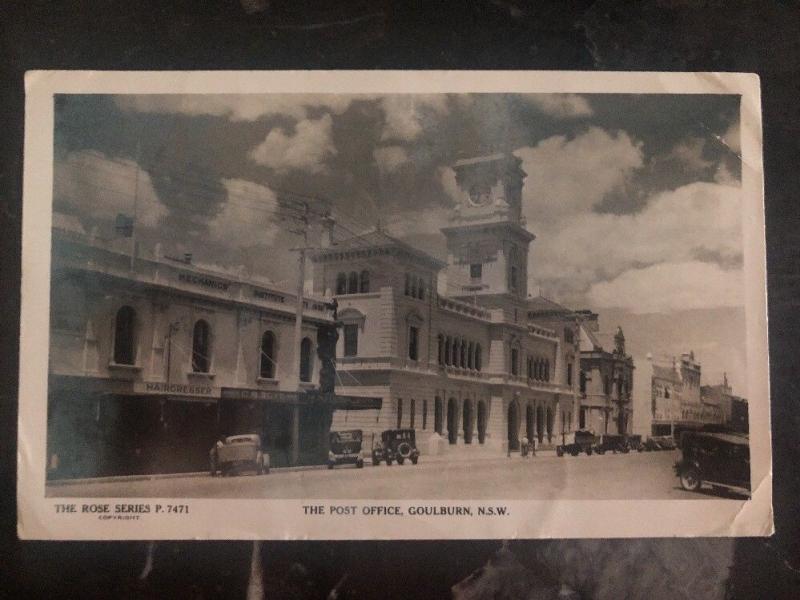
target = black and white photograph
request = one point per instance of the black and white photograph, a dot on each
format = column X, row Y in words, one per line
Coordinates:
column 442, row 303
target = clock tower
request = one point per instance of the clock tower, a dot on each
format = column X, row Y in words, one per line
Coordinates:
column 487, row 243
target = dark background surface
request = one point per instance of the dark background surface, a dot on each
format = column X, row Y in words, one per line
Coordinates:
column 735, row 35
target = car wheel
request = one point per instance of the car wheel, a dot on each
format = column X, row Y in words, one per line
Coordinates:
column 588, row 452
column 690, row 479
column 400, row 460
column 404, row 450
column 559, row 451
column 360, row 464
column 574, row 451
column 414, row 460
column 388, row 462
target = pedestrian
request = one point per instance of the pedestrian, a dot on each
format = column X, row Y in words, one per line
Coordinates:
column 525, row 447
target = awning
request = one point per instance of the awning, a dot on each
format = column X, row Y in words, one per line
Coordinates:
column 305, row 398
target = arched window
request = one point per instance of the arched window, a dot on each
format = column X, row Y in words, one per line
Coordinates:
column 513, row 271
column 201, row 347
column 569, row 374
column 364, row 283
column 352, row 283
column 306, row 362
column 125, row 336
column 530, row 367
column 341, row 284
column 413, row 286
column 456, row 352
column 606, row 386
column 547, row 370
column 463, row 357
column 421, row 289
column 399, row 413
column 471, row 356
column 440, row 348
column 438, row 415
column 267, row 370
column 424, row 413
column 413, row 342
column 408, row 285
column 448, row 351
column 582, row 384
column 477, row 357
column 514, row 361
column 412, row 416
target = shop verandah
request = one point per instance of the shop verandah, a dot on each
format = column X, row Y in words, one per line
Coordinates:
column 95, row 432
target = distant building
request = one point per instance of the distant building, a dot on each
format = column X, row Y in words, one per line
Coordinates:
column 734, row 408
column 606, row 380
column 457, row 349
column 676, row 402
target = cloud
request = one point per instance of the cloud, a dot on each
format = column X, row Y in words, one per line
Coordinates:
column 570, row 176
column 697, row 220
column 246, row 217
column 236, row 107
column 561, row 106
column 407, row 115
column 669, row 287
column 306, row 149
column 99, row 188
column 390, row 158
column 689, row 154
column 732, row 138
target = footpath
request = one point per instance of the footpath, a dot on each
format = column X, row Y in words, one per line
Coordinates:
column 447, row 457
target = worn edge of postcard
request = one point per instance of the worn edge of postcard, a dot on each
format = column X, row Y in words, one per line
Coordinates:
column 286, row 519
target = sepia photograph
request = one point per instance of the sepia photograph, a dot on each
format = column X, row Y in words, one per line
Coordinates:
column 439, row 298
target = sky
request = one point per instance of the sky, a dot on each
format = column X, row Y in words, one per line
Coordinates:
column 634, row 199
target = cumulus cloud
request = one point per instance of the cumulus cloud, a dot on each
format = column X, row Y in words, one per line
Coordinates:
column 697, row 220
column 670, row 286
column 246, row 218
column 407, row 115
column 561, row 106
column 689, row 154
column 99, row 188
column 236, row 107
column 307, row 148
column 570, row 176
column 390, row 158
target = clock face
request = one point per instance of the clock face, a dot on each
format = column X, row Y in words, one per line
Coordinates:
column 479, row 195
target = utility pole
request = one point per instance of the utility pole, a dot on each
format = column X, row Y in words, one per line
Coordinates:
column 135, row 205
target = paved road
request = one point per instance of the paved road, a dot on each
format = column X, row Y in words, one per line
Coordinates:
column 646, row 476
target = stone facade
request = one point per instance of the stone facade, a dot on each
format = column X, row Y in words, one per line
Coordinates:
column 473, row 367
column 151, row 359
column 605, row 380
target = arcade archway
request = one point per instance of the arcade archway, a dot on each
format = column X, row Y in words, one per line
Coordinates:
column 452, row 420
column 481, row 422
column 513, row 426
column 467, row 421
column 530, row 432
column 540, row 423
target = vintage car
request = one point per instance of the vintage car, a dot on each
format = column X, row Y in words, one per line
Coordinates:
column 720, row 460
column 635, row 442
column 345, row 448
column 239, row 453
column 395, row 444
column 612, row 442
column 576, row 442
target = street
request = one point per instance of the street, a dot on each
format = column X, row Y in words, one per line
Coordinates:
column 647, row 475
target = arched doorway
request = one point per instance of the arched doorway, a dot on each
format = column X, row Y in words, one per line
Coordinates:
column 530, row 432
column 540, row 423
column 438, row 421
column 513, row 426
column 452, row 420
column 467, row 421
column 549, row 423
column 481, row 422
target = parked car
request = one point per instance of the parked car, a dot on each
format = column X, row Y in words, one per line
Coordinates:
column 345, row 448
column 611, row 442
column 721, row 460
column 635, row 442
column 396, row 444
column 576, row 442
column 237, row 453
